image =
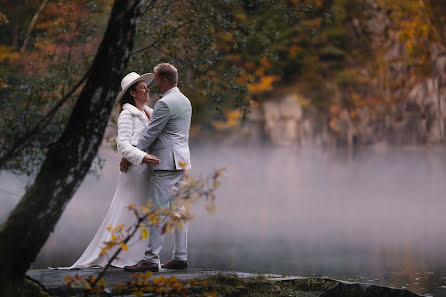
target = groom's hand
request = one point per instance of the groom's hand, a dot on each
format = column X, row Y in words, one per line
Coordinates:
column 124, row 165
column 150, row 160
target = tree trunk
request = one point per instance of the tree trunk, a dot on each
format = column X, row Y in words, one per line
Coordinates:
column 70, row 157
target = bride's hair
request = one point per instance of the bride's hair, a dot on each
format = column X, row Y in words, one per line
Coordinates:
column 127, row 98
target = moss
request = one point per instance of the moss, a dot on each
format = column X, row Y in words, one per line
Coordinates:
column 232, row 285
column 31, row 289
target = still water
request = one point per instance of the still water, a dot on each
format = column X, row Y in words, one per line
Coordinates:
column 377, row 216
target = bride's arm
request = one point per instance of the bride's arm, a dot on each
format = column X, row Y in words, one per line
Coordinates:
column 125, row 129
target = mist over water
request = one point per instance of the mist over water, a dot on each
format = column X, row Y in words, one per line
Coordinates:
column 375, row 216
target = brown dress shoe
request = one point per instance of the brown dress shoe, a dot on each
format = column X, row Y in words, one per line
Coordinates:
column 175, row 264
column 142, row 266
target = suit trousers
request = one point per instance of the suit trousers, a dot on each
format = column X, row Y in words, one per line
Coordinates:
column 161, row 194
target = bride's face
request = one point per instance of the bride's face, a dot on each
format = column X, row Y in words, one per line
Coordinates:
column 141, row 93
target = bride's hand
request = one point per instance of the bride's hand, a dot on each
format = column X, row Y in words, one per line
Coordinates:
column 124, row 165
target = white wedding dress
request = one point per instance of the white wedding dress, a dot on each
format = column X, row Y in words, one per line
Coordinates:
column 132, row 188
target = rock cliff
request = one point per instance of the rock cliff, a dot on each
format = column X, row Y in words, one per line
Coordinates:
column 413, row 110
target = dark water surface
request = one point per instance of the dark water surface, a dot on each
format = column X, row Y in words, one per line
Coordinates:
column 377, row 216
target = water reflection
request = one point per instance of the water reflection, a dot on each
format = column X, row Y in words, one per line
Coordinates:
column 374, row 216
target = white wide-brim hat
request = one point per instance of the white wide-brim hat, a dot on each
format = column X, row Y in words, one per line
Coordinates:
column 132, row 78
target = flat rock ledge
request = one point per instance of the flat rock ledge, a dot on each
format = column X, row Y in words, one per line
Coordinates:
column 53, row 281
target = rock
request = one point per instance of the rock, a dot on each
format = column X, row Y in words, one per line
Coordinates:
column 413, row 107
column 233, row 283
column 347, row 289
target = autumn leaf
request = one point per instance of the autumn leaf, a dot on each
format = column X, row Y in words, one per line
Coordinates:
column 144, row 233
column 123, row 246
column 103, row 251
column 3, row 19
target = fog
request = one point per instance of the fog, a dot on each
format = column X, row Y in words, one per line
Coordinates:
column 371, row 215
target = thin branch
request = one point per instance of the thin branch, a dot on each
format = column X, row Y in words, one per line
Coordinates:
column 150, row 7
column 38, row 283
column 32, row 24
column 162, row 36
column 188, row 64
column 25, row 139
column 101, row 275
column 69, row 53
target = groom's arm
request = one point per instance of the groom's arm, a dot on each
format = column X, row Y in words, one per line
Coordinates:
column 161, row 115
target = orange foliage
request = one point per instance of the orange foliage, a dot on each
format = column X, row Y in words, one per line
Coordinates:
column 264, row 84
column 233, row 118
column 7, row 54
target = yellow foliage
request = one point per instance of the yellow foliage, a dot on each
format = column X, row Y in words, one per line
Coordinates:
column 241, row 16
column 414, row 27
column 224, row 36
column 154, row 219
column 265, row 84
column 302, row 100
column 3, row 19
column 293, row 50
column 264, row 62
column 334, row 124
column 144, row 233
column 7, row 53
column 316, row 22
column 356, row 98
column 233, row 118
column 103, row 251
column 123, row 246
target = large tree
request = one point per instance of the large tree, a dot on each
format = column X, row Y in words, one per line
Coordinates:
column 69, row 158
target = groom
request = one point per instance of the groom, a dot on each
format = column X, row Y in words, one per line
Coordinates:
column 167, row 137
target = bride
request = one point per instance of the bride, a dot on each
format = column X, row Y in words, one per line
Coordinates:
column 132, row 187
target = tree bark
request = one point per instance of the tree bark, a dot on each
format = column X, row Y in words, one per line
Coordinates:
column 70, row 157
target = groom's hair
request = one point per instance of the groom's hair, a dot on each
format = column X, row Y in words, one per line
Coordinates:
column 167, row 71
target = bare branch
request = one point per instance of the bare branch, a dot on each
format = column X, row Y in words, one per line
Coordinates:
column 69, row 53
column 182, row 61
column 32, row 24
column 101, row 275
column 162, row 36
column 25, row 139
column 151, row 6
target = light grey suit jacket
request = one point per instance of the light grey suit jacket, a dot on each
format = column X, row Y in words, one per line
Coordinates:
column 167, row 135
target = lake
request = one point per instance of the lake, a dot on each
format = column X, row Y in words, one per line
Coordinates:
column 374, row 215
